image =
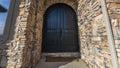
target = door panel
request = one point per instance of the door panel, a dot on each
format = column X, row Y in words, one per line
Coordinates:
column 60, row 32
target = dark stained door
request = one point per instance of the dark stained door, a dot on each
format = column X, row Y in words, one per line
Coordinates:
column 60, row 32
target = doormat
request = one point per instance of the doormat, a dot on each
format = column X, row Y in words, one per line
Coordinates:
column 60, row 59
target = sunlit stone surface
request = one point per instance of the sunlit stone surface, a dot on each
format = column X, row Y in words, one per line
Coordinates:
column 24, row 50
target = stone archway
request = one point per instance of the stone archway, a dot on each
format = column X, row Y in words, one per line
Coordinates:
column 32, row 48
column 46, row 4
column 24, row 51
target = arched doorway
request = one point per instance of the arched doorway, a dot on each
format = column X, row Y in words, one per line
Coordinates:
column 60, row 30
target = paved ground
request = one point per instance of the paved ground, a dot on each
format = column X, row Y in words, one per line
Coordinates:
column 73, row 64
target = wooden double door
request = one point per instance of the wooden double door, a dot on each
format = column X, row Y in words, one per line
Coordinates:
column 60, row 30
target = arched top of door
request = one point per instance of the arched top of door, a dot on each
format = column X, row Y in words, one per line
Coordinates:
column 71, row 3
column 58, row 4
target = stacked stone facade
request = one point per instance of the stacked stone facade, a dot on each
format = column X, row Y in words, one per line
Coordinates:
column 24, row 50
column 18, row 48
column 93, row 37
column 114, row 14
column 3, row 56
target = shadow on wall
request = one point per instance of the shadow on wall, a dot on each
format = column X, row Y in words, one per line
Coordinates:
column 31, row 50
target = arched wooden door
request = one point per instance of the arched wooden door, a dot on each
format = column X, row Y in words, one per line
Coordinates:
column 60, row 32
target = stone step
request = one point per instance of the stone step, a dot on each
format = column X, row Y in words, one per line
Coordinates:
column 74, row 64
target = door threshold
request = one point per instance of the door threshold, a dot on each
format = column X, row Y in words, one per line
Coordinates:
column 65, row 54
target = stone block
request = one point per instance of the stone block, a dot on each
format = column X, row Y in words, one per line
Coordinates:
column 118, row 54
column 21, row 11
column 113, row 1
column 96, row 39
column 115, row 16
column 117, row 42
column 119, row 60
column 118, row 50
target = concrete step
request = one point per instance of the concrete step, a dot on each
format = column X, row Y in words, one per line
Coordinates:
column 74, row 64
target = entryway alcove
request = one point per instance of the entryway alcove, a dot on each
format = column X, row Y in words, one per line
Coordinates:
column 60, row 30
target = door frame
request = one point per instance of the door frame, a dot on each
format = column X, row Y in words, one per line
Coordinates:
column 65, row 54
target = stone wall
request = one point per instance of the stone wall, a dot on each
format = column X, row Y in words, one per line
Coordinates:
column 18, row 48
column 114, row 13
column 93, row 37
column 3, row 56
column 24, row 51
